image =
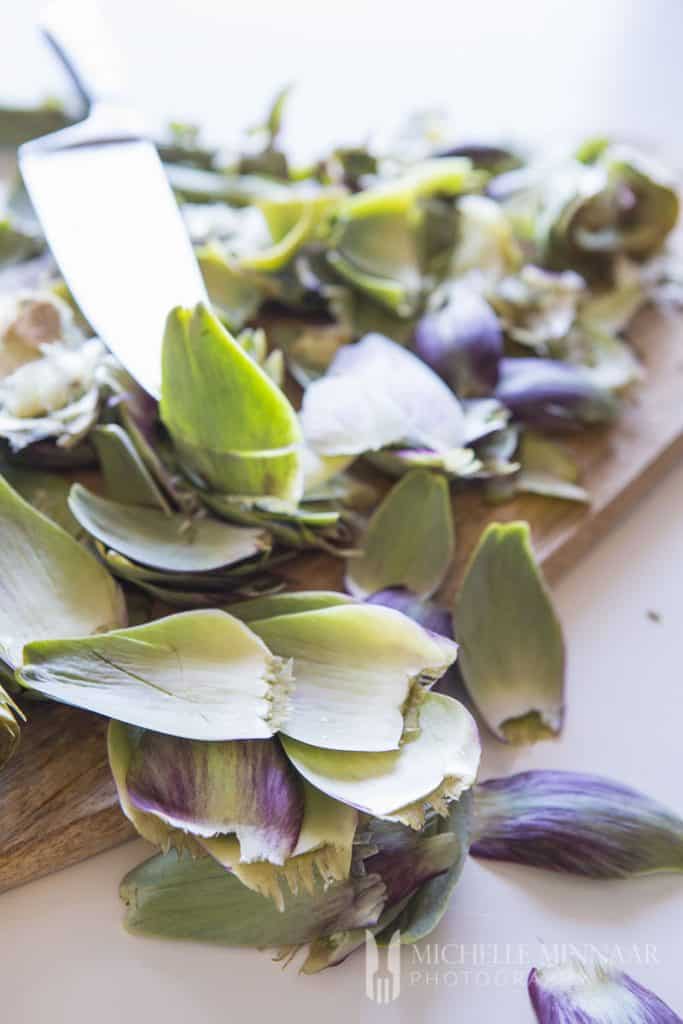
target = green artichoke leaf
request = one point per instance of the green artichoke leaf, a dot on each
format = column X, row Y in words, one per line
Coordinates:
column 169, row 542
column 126, row 477
column 426, row 908
column 200, row 675
column 511, row 647
column 50, row 585
column 184, row 898
column 432, row 766
column 231, row 425
column 548, row 469
column 621, row 204
column 294, row 217
column 45, row 492
column 375, row 243
column 359, row 671
column 409, row 541
column 235, row 293
column 287, row 604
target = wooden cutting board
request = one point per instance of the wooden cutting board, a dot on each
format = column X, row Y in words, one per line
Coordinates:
column 57, row 800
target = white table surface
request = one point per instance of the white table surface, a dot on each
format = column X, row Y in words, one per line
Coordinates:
column 544, row 69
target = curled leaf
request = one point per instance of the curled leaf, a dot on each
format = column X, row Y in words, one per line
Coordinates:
column 376, row 244
column 433, row 765
column 580, row 824
column 620, row 203
column 511, row 647
column 293, row 215
column 170, row 542
column 538, row 307
column 409, row 540
column 200, row 675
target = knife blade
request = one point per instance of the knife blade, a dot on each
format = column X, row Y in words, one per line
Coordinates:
column 107, row 210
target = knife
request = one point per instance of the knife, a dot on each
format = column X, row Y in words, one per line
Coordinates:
column 107, row 210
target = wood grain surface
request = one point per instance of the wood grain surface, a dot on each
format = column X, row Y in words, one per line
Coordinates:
column 57, row 800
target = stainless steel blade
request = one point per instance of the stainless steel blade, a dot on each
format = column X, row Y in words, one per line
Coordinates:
column 115, row 230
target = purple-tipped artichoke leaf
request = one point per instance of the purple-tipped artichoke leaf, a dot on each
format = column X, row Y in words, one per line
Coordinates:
column 245, row 787
column 553, row 395
column 576, row 823
column 460, row 338
column 376, row 394
column 579, row 992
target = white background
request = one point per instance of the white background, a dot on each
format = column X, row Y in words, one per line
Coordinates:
column 543, row 70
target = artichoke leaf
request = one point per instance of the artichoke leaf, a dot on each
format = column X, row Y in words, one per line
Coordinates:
column 200, row 674
column 409, row 541
column 181, row 898
column 169, row 542
column 432, row 766
column 230, row 423
column 511, row 647
column 376, row 394
column 360, row 671
column 323, row 851
column 50, row 585
column 126, row 477
column 245, row 788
